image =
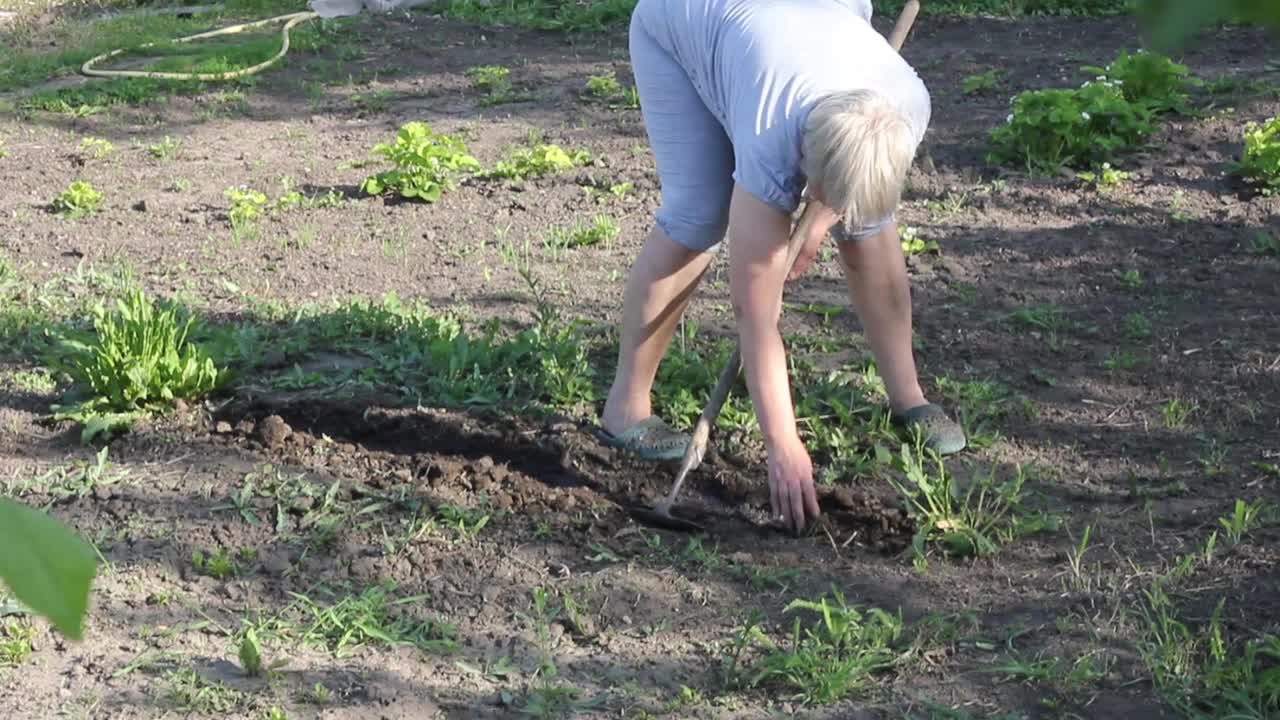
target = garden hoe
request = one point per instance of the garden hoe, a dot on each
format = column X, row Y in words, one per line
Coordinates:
column 663, row 512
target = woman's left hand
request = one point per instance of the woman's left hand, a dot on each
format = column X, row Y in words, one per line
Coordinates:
column 807, row 253
column 817, row 233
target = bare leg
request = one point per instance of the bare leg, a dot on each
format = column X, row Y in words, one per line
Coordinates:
column 659, row 287
column 876, row 273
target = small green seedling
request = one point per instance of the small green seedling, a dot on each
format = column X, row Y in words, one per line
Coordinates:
column 979, row 83
column 78, row 200
column 16, row 638
column 618, row 191
column 1131, row 278
column 489, row 77
column 541, row 159
column 602, row 228
column 913, row 244
column 495, row 82
column 166, row 149
column 1260, row 160
column 217, row 564
column 1106, row 178
column 1265, row 243
column 247, row 204
column 250, row 652
column 96, row 147
column 606, row 87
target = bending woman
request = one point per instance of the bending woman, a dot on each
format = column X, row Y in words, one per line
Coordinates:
column 746, row 103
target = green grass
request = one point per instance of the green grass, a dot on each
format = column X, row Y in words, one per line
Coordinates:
column 348, row 622
column 1011, row 8
column 575, row 17
column 27, row 64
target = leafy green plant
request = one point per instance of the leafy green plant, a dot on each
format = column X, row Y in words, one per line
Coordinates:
column 1149, row 79
column 79, row 199
column 541, row 159
column 425, row 163
column 140, row 360
column 1080, row 128
column 1260, row 160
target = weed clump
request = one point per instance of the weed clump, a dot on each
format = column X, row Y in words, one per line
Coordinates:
column 963, row 522
column 139, row 361
column 837, row 655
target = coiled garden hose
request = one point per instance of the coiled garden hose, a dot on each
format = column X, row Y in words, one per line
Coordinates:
column 290, row 19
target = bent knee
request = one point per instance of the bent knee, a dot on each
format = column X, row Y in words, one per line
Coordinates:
column 697, row 226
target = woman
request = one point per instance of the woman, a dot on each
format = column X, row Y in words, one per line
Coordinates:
column 747, row 102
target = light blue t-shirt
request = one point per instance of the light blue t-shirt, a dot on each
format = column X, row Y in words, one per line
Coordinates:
column 759, row 66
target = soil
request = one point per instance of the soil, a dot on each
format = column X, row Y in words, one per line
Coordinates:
column 657, row 606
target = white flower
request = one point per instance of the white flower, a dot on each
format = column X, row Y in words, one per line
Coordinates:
column 1084, row 115
column 1009, row 119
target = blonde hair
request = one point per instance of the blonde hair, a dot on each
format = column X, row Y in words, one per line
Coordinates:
column 857, row 149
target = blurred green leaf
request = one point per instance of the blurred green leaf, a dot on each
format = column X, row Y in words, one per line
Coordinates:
column 46, row 566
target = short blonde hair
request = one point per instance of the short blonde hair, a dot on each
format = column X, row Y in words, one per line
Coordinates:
column 857, row 150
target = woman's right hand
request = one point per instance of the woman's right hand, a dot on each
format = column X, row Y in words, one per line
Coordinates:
column 791, row 493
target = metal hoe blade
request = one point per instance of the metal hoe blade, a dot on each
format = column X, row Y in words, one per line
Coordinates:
column 662, row 513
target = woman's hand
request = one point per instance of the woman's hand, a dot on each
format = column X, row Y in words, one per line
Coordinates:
column 817, row 233
column 791, row 493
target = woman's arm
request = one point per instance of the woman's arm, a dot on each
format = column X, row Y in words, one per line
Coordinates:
column 758, row 235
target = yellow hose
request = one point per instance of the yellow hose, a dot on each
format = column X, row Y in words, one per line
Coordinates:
column 292, row 20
